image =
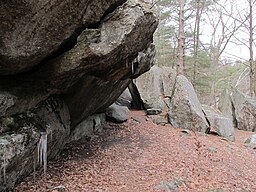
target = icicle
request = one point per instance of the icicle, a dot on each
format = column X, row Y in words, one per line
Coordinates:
column 42, row 151
column 4, row 165
column 132, row 68
column 126, row 63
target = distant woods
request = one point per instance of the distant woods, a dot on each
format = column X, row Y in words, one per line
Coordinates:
column 203, row 39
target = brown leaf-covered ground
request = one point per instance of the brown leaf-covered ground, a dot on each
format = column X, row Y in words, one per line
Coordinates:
column 144, row 157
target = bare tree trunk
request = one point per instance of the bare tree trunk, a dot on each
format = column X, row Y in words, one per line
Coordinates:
column 213, row 94
column 251, row 60
column 181, row 39
column 196, row 37
column 215, row 60
column 174, row 56
column 219, row 42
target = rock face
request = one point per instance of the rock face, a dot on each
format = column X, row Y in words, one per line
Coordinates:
column 251, row 141
column 84, row 52
column 156, row 86
column 244, row 111
column 105, row 54
column 91, row 95
column 219, row 123
column 125, row 99
column 241, row 108
column 117, row 113
column 88, row 127
column 162, row 91
column 185, row 108
column 26, row 28
column 225, row 105
column 153, row 111
column 19, row 148
column 243, row 82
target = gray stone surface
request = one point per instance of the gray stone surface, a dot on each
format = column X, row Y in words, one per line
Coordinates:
column 139, row 119
column 244, row 111
column 144, row 61
column 117, row 113
column 225, row 104
column 159, row 119
column 85, row 51
column 153, row 111
column 88, row 127
column 105, row 53
column 170, row 185
column 243, row 82
column 251, row 142
column 33, row 30
column 156, row 87
column 18, row 147
column 125, row 99
column 92, row 95
column 6, row 101
column 219, row 123
column 185, row 108
column 108, row 49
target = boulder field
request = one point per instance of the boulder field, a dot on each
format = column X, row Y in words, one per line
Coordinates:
column 161, row 89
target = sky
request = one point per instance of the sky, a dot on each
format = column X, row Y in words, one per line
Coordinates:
column 233, row 51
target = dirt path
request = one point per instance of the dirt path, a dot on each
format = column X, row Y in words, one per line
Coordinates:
column 143, row 157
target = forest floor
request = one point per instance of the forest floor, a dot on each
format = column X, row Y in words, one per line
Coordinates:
column 140, row 156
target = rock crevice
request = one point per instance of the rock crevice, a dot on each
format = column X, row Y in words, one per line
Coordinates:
column 27, row 28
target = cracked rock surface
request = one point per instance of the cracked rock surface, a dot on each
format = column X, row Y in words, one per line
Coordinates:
column 84, row 53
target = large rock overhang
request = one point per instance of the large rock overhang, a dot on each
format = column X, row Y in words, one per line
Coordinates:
column 76, row 44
